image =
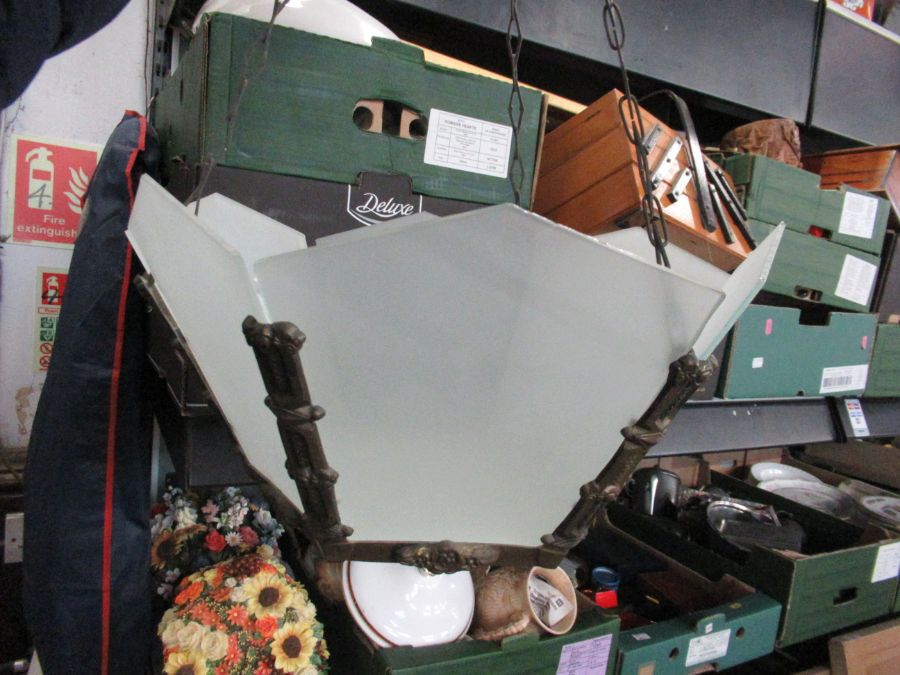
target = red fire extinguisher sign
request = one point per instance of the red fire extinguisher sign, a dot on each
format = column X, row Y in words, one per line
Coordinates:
column 51, row 180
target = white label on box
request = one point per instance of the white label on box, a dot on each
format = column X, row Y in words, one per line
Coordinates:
column 640, row 636
column 887, row 563
column 467, row 144
column 707, row 647
column 856, row 280
column 588, row 657
column 858, row 215
column 844, row 378
column 857, row 417
column 757, row 362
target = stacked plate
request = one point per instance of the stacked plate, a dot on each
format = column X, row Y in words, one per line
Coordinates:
column 882, row 510
column 803, row 487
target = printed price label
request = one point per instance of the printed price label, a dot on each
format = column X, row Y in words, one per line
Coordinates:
column 858, row 215
column 887, row 563
column 707, row 647
column 467, row 144
column 857, row 417
column 588, row 657
column 856, row 280
column 549, row 604
column 844, row 378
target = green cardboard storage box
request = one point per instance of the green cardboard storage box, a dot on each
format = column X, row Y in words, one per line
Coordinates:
column 724, row 623
column 593, row 640
column 774, row 192
column 842, row 582
column 304, row 112
column 724, row 636
column 770, row 354
column 818, row 271
column 884, row 372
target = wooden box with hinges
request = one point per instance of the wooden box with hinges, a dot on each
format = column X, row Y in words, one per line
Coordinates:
column 589, row 180
column 328, row 110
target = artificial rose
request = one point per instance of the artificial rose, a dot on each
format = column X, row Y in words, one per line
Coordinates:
column 191, row 635
column 185, row 517
column 264, row 519
column 248, row 536
column 191, row 592
column 214, row 645
column 306, row 611
column 268, row 625
column 168, row 617
column 169, row 634
column 214, row 541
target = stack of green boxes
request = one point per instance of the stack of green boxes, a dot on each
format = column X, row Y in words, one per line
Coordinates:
column 309, row 113
column 884, row 373
column 828, row 258
column 843, row 580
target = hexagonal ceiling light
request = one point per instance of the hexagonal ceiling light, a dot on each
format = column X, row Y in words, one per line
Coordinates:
column 476, row 369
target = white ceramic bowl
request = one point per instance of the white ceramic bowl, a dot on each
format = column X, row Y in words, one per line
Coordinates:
column 335, row 18
column 765, row 471
column 397, row 605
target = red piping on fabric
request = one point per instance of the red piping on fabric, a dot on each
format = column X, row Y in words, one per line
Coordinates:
column 106, row 580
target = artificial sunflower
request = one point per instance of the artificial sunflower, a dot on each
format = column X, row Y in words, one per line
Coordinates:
column 185, row 533
column 185, row 663
column 271, row 622
column 267, row 594
column 165, row 548
column 292, row 645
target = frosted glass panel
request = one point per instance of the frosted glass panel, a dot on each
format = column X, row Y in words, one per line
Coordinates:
column 740, row 287
column 205, row 284
column 476, row 369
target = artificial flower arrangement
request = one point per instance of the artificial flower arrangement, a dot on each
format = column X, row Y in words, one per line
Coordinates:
column 188, row 537
column 244, row 615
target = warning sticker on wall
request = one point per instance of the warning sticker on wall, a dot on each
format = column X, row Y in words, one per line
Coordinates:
column 51, row 286
column 50, row 180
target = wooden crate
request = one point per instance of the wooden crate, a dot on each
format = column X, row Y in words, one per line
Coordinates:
column 588, row 179
column 872, row 169
column 868, row 651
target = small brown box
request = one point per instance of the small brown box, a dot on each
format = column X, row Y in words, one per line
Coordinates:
column 875, row 170
column 589, row 180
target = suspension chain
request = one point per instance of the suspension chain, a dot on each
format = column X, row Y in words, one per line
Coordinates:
column 516, row 107
column 629, row 111
column 260, row 48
